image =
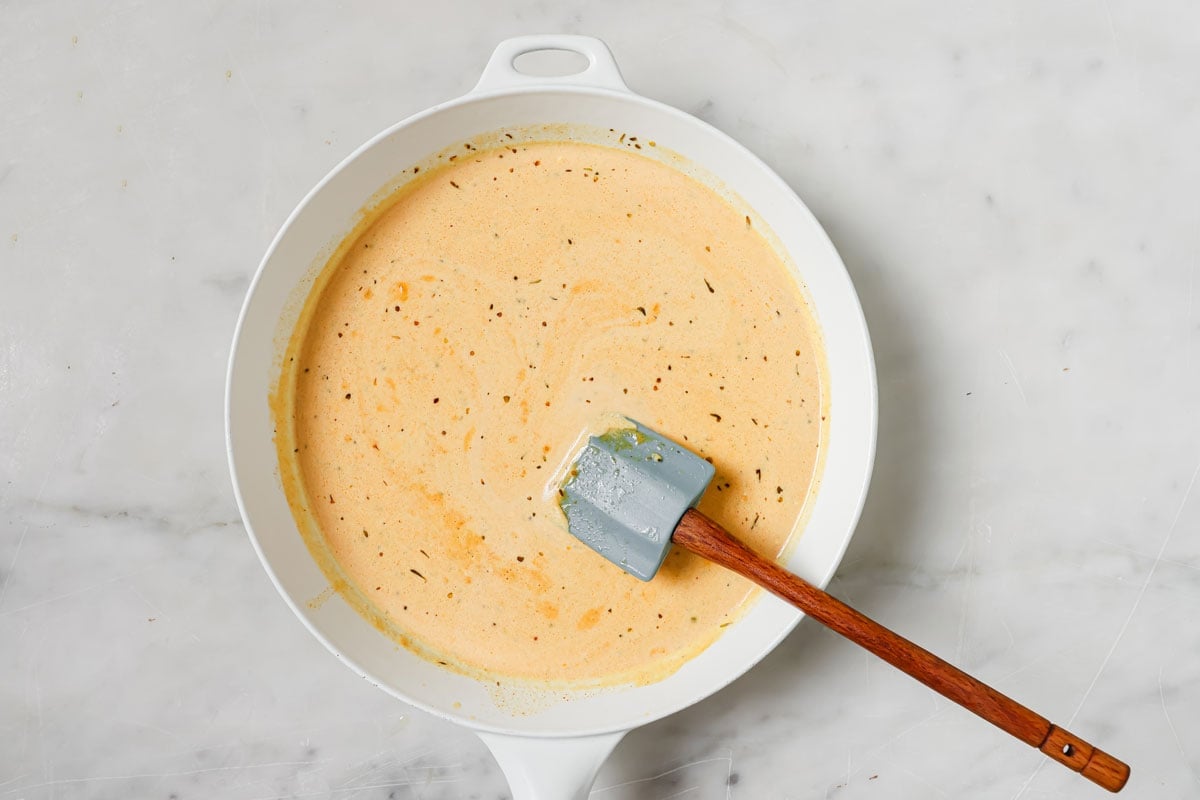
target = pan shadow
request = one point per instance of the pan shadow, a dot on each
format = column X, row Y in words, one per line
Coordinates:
column 671, row 748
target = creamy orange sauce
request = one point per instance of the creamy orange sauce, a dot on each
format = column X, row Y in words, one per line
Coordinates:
column 451, row 355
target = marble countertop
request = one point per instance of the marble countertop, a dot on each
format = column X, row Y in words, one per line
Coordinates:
column 1013, row 189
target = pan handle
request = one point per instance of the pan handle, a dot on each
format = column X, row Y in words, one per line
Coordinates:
column 601, row 71
column 550, row 769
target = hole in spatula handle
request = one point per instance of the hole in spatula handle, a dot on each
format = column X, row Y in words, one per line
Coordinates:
column 1074, row 753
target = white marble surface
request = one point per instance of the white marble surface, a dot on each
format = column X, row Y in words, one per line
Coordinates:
column 1013, row 188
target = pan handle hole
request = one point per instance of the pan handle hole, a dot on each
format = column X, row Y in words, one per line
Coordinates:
column 1068, row 750
column 550, row 63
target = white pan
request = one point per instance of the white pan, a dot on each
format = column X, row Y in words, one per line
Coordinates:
column 548, row 747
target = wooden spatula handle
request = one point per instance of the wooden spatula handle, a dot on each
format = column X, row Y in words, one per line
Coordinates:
column 705, row 538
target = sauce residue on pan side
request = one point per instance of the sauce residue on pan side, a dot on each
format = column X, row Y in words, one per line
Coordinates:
column 456, row 346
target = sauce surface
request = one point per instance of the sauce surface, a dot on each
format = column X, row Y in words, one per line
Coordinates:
column 449, row 359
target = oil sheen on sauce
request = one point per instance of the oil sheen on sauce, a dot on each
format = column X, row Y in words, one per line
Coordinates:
column 448, row 359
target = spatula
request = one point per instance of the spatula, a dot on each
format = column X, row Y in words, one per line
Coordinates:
column 630, row 495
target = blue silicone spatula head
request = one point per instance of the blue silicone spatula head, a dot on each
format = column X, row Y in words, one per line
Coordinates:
column 625, row 493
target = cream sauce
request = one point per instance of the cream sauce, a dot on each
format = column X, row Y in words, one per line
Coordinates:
column 449, row 359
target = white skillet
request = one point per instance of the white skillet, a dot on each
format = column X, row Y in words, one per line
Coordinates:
column 547, row 747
